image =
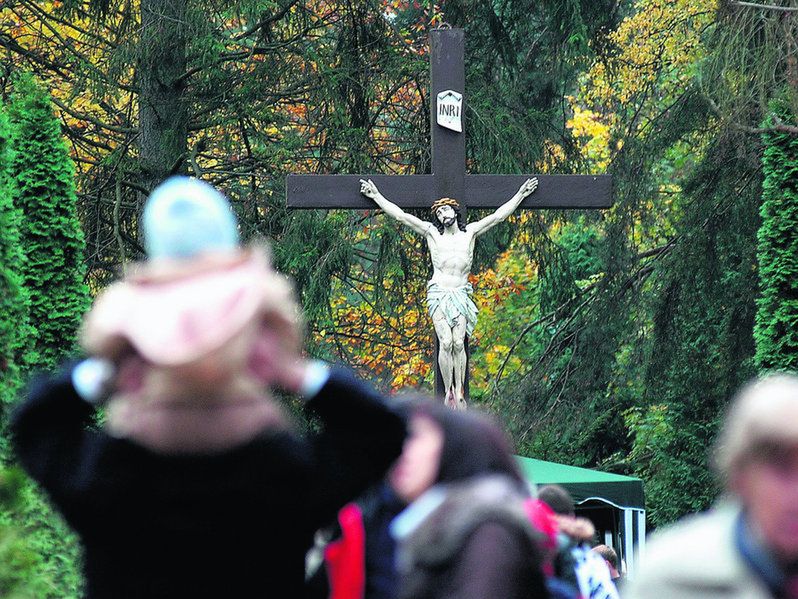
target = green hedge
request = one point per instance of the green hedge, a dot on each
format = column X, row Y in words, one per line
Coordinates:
column 44, row 265
column 776, row 328
column 15, row 334
column 43, row 189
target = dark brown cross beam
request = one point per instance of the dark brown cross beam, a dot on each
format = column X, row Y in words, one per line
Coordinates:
column 449, row 177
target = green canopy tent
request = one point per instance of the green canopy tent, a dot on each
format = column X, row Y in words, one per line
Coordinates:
column 615, row 503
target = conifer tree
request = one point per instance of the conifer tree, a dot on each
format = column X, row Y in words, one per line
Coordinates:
column 15, row 333
column 776, row 328
column 38, row 555
column 43, row 190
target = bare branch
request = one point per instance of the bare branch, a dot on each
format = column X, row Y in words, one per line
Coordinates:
column 117, row 203
column 764, row 6
column 778, row 124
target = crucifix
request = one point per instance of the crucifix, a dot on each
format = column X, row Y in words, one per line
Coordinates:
column 448, row 190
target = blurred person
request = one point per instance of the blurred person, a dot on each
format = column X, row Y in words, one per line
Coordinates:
column 747, row 546
column 579, row 572
column 196, row 463
column 558, row 499
column 359, row 551
column 610, row 557
column 360, row 558
column 354, row 558
column 466, row 533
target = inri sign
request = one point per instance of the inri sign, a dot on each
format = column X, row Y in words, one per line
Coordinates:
column 450, row 110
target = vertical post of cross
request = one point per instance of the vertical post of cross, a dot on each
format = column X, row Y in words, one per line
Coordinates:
column 447, row 74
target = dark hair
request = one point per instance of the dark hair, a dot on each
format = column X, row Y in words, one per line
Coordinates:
column 473, row 444
column 557, row 498
column 458, row 213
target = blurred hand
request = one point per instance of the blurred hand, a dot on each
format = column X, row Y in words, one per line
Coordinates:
column 274, row 363
column 131, row 368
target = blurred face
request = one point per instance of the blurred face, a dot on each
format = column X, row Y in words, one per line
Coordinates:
column 446, row 215
column 416, row 470
column 768, row 487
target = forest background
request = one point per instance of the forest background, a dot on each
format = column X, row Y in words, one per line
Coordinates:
column 611, row 340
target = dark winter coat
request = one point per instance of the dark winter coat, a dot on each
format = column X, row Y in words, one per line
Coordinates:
column 231, row 524
column 478, row 543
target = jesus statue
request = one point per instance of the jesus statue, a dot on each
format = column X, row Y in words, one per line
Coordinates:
column 451, row 248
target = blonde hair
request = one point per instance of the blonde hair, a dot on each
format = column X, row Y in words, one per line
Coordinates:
column 764, row 414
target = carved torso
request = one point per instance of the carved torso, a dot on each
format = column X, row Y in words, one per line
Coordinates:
column 452, row 254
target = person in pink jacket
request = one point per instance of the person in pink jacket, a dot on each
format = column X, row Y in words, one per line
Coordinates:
column 197, row 483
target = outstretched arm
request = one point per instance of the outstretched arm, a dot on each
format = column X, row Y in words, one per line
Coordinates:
column 506, row 209
column 361, row 436
column 368, row 189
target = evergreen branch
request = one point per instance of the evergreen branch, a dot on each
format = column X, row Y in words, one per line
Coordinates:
column 379, row 340
column 635, row 279
column 219, row 61
column 384, row 103
column 44, row 19
column 90, row 119
column 665, row 111
column 658, row 250
column 80, row 139
column 267, row 21
column 13, row 47
column 562, row 378
column 49, row 16
column 238, row 55
column 518, row 339
column 373, row 307
column 549, row 316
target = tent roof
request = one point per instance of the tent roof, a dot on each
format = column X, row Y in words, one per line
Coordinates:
column 584, row 484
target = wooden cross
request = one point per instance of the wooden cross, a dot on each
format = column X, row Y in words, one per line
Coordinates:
column 449, row 177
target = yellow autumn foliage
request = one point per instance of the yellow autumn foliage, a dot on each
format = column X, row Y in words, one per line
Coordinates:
column 655, row 54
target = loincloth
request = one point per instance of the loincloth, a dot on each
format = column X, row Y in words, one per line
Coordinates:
column 453, row 302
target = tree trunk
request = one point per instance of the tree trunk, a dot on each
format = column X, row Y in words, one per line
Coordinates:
column 163, row 108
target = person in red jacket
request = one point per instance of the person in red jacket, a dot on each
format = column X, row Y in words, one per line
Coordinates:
column 478, row 541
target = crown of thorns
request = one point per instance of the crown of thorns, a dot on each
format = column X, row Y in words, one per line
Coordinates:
column 444, row 202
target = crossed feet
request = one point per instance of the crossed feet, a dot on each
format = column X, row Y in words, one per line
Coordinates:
column 453, row 400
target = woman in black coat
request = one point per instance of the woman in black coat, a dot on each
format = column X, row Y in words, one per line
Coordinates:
column 467, row 533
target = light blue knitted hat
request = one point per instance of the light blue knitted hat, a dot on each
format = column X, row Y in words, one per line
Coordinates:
column 184, row 217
